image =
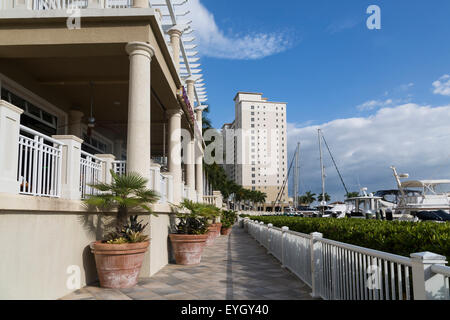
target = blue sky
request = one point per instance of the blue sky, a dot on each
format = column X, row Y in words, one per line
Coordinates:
column 333, row 63
column 322, row 60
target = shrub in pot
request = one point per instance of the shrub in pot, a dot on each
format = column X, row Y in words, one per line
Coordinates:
column 212, row 213
column 191, row 233
column 228, row 220
column 120, row 254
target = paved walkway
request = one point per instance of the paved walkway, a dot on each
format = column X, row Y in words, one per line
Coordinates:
column 236, row 267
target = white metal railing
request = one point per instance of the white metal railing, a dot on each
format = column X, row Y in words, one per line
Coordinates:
column 119, row 167
column 118, row 4
column 39, row 168
column 340, row 271
column 78, row 4
column 90, row 173
column 59, row 4
column 344, row 268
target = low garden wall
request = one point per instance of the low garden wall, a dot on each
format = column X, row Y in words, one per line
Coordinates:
column 45, row 246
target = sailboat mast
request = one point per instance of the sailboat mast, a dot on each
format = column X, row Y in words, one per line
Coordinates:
column 321, row 166
column 296, row 174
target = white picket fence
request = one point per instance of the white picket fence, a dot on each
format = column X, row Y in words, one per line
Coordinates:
column 39, row 168
column 340, row 271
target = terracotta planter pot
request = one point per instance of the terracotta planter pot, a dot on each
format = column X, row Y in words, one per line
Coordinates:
column 188, row 248
column 225, row 231
column 212, row 234
column 118, row 265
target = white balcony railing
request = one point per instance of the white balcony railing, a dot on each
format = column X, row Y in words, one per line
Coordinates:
column 340, row 271
column 39, row 169
column 209, row 199
column 78, row 4
column 90, row 173
column 119, row 167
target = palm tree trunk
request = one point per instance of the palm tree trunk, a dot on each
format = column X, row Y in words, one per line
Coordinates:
column 122, row 215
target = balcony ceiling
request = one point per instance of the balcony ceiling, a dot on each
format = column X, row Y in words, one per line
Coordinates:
column 67, row 71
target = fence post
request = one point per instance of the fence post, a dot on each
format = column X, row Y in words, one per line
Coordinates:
column 245, row 224
column 316, row 262
column 9, row 146
column 269, row 238
column 169, row 187
column 428, row 285
column 260, row 233
column 70, row 166
column 283, row 237
column 107, row 166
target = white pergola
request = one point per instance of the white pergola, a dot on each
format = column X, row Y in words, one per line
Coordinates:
column 174, row 13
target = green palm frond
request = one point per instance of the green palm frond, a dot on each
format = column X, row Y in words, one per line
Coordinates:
column 125, row 193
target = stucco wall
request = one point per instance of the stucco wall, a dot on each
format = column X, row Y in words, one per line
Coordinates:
column 37, row 248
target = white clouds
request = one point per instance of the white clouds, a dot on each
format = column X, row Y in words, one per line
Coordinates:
column 214, row 42
column 372, row 104
column 442, row 86
column 414, row 138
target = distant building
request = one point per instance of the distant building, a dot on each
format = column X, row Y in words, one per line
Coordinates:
column 255, row 146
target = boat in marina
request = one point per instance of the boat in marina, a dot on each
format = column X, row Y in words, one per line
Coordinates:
column 422, row 199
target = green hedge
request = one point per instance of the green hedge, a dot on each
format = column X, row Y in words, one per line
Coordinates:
column 398, row 237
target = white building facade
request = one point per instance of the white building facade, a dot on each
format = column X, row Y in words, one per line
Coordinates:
column 256, row 147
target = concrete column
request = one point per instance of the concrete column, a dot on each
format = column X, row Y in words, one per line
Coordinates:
column 107, row 166
column 174, row 154
column 70, row 168
column 9, row 146
column 218, row 199
column 190, row 83
column 199, row 175
column 175, row 34
column 199, row 157
column 190, row 166
column 75, row 123
column 156, row 172
column 140, row 3
column 428, row 285
column 169, row 187
column 138, row 140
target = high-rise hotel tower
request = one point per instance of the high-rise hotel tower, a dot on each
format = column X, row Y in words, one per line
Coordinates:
column 256, row 146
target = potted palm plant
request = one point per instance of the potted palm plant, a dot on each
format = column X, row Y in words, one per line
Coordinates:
column 228, row 220
column 212, row 213
column 120, row 254
column 191, row 232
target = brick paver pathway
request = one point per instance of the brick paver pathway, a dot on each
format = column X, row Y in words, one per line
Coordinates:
column 236, row 267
